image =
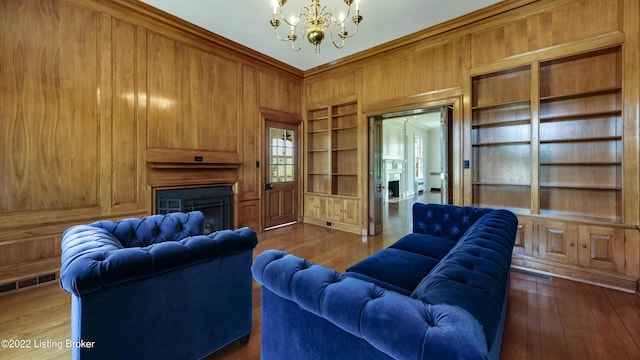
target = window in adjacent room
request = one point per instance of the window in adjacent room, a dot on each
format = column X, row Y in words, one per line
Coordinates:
column 417, row 156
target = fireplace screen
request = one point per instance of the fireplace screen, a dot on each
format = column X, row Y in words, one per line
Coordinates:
column 214, row 202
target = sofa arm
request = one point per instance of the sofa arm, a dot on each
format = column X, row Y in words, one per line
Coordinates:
column 92, row 258
column 397, row 325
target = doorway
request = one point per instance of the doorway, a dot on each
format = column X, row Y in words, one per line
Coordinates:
column 280, row 174
column 410, row 160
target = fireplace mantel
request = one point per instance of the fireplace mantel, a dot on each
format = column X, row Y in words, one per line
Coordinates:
column 192, row 159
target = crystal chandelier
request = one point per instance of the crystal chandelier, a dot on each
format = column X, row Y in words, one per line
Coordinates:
column 314, row 23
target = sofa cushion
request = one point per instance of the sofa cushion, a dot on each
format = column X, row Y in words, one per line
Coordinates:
column 428, row 245
column 399, row 268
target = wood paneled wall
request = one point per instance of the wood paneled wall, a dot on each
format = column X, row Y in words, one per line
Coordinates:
column 436, row 64
column 87, row 87
column 435, row 67
column 101, row 102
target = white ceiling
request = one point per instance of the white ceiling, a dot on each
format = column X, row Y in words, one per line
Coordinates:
column 247, row 22
column 426, row 121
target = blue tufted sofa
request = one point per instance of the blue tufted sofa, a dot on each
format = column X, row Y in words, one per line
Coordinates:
column 154, row 288
column 439, row 292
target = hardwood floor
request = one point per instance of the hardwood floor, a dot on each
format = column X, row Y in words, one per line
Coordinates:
column 548, row 318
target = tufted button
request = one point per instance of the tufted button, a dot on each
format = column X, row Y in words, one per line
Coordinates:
column 429, row 319
column 376, row 293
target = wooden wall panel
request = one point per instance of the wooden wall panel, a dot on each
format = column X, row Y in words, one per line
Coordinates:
column 282, row 93
column 192, row 97
column 330, row 87
column 563, row 22
column 48, row 102
column 416, row 70
column 250, row 136
column 30, row 250
column 162, row 107
column 249, row 214
column 125, row 146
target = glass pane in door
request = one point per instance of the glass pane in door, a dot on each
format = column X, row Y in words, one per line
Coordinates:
column 281, row 155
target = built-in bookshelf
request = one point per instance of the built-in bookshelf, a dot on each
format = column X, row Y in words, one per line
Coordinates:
column 568, row 159
column 501, row 139
column 318, row 152
column 344, row 150
column 548, row 142
column 332, row 180
column 581, row 136
column 332, row 150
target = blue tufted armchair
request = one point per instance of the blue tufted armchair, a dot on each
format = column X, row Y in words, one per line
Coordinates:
column 155, row 288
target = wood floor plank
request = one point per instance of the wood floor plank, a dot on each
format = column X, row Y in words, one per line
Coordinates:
column 612, row 337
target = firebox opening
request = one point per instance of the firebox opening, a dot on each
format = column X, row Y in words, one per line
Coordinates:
column 216, row 203
column 394, row 189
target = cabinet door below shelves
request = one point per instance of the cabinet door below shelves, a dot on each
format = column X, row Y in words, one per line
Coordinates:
column 315, row 207
column 602, row 248
column 344, row 211
column 351, row 211
column 524, row 238
column 557, row 241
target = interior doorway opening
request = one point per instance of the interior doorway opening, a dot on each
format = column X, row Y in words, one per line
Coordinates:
column 409, row 160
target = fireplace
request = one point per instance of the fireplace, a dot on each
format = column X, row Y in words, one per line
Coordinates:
column 394, row 188
column 215, row 202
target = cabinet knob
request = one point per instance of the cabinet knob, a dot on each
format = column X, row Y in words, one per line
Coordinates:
column 584, row 246
column 572, row 244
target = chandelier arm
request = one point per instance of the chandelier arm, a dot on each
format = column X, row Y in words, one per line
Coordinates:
column 287, row 38
column 333, row 41
column 296, row 49
column 350, row 35
column 304, row 12
column 335, row 21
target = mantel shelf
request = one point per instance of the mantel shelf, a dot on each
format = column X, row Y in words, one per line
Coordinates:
column 192, row 159
column 155, row 165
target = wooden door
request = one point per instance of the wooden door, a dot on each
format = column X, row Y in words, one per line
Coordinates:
column 281, row 179
column 375, row 176
column 446, row 156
